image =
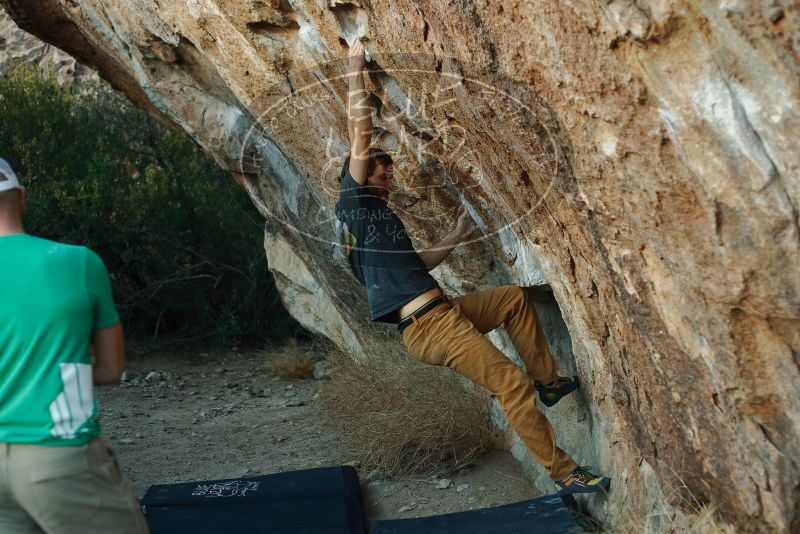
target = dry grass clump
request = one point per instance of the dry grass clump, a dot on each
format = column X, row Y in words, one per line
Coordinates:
column 289, row 361
column 678, row 511
column 400, row 416
column 704, row 520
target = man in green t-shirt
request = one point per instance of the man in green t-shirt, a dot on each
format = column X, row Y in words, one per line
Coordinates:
column 59, row 335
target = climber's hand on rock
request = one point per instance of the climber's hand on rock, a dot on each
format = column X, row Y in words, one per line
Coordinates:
column 464, row 226
column 356, row 58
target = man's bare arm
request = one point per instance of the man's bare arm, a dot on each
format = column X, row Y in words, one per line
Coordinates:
column 108, row 347
column 436, row 254
column 359, row 114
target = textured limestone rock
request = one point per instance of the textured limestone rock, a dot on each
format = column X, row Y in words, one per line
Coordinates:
column 303, row 297
column 640, row 156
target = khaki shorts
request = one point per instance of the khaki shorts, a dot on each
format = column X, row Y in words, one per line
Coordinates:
column 65, row 490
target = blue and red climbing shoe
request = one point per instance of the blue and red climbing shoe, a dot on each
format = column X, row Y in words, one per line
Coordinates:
column 582, row 480
column 554, row 391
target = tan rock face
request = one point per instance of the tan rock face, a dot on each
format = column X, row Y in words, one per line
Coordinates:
column 640, row 156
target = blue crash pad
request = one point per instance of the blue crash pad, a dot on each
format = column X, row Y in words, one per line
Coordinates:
column 325, row 501
column 545, row 515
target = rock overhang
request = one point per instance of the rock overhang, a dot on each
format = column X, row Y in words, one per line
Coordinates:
column 664, row 215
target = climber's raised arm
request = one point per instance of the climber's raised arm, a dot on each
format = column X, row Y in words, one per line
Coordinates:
column 359, row 114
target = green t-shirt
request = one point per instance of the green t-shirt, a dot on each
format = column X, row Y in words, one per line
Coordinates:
column 52, row 297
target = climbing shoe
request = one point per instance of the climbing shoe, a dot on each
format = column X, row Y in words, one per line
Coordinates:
column 551, row 393
column 582, row 480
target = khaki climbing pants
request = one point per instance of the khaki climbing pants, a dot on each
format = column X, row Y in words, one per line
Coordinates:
column 452, row 334
column 60, row 490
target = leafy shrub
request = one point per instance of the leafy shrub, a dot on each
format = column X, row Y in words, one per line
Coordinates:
column 182, row 242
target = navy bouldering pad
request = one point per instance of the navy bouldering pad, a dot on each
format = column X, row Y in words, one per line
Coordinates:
column 325, row 500
column 545, row 515
column 320, row 482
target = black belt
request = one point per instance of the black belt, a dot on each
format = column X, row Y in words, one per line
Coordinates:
column 422, row 310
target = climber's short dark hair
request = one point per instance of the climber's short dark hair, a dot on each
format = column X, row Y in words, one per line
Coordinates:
column 376, row 155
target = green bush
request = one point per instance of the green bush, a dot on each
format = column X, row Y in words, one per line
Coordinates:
column 182, row 242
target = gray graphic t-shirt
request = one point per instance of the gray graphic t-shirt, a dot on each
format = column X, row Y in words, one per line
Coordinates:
column 379, row 251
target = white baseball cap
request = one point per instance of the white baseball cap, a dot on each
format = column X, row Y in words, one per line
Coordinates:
column 8, row 180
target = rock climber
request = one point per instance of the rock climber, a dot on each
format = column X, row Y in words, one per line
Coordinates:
column 59, row 334
column 435, row 328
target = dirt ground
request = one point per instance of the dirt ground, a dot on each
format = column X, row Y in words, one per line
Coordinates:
column 221, row 415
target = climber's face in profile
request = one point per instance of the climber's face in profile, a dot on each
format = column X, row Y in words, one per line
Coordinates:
column 382, row 180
